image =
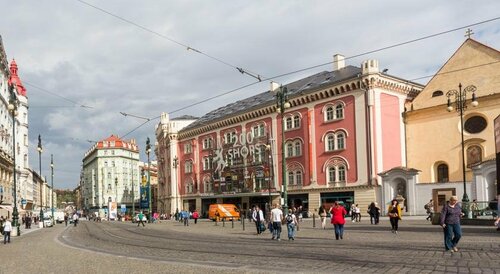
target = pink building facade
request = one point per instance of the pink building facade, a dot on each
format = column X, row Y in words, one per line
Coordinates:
column 342, row 129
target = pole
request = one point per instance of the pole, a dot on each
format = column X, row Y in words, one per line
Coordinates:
column 283, row 160
column 15, row 214
column 461, row 102
column 148, row 150
column 133, row 192
column 40, row 149
column 52, row 185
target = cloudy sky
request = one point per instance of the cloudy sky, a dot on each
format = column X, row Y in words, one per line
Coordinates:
column 72, row 55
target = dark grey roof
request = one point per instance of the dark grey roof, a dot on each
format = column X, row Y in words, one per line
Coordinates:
column 298, row 87
column 185, row 117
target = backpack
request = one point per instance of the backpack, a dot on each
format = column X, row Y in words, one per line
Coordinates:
column 426, row 206
column 289, row 219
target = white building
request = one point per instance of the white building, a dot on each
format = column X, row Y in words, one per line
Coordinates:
column 110, row 174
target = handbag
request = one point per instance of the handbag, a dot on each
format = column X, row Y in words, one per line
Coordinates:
column 262, row 227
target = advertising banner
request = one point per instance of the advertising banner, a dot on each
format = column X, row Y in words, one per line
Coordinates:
column 113, row 211
column 144, row 193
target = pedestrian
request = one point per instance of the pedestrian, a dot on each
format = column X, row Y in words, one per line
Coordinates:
column 195, row 216
column 358, row 213
column 352, row 212
column 140, row 219
column 338, row 213
column 7, row 228
column 66, row 219
column 291, row 223
column 394, row 213
column 185, row 217
column 276, row 218
column 450, row 221
column 429, row 209
column 177, row 214
column 497, row 223
column 75, row 219
column 322, row 215
column 258, row 218
column 374, row 211
column 474, row 208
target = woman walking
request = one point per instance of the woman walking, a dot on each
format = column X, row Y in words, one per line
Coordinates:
column 450, row 221
column 338, row 220
column 374, row 212
column 394, row 213
column 322, row 215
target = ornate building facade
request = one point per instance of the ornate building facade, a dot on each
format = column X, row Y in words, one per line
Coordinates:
column 343, row 128
column 110, row 173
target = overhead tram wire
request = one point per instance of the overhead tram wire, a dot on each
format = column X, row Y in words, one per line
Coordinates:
column 187, row 47
column 57, row 95
column 328, row 63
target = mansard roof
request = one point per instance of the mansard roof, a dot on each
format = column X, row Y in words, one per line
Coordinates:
column 299, row 87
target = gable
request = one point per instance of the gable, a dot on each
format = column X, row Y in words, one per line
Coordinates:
column 472, row 64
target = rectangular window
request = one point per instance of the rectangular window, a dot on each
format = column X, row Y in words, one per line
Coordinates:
column 291, row 180
column 187, row 148
column 331, row 175
column 298, row 177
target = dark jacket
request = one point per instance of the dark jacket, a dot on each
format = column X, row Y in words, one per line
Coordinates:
column 450, row 215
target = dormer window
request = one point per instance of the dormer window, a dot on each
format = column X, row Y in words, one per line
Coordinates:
column 437, row 93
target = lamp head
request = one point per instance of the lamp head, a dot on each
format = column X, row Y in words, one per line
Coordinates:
column 449, row 108
column 287, row 105
column 475, row 103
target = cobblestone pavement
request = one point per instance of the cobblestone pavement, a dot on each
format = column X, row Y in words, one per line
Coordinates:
column 170, row 247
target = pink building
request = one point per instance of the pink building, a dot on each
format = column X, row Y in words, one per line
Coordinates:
column 342, row 129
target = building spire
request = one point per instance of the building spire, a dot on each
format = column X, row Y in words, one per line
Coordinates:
column 15, row 80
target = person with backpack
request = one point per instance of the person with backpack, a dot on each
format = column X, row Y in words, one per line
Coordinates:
column 429, row 209
column 291, row 223
column 140, row 219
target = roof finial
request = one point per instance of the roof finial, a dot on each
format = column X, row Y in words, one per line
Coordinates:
column 468, row 33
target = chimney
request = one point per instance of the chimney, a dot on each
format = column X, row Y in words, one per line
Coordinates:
column 338, row 61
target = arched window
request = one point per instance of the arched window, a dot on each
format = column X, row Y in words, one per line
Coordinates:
column 289, row 124
column 188, row 167
column 298, row 177
column 332, row 175
column 340, row 140
column 209, row 186
column 442, row 173
column 296, row 121
column 341, row 172
column 289, row 150
column 298, row 148
column 329, row 114
column 339, row 111
column 330, row 142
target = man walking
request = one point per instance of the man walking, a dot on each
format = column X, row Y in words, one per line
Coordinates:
column 258, row 218
column 140, row 217
column 75, row 219
column 7, row 228
column 276, row 218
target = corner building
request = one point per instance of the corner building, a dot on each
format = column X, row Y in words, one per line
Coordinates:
column 342, row 129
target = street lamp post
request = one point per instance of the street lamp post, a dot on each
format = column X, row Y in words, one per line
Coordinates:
column 148, row 150
column 13, row 111
column 40, row 150
column 52, row 185
column 175, row 162
column 116, row 190
column 282, row 103
column 460, row 107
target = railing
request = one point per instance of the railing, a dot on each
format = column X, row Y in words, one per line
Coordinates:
column 480, row 210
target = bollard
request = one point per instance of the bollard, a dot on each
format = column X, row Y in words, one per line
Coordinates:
column 314, row 220
column 232, row 222
column 243, row 223
column 223, row 222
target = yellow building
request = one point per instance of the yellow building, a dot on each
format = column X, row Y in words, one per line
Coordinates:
column 434, row 131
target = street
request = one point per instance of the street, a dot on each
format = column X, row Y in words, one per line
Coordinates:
column 170, row 247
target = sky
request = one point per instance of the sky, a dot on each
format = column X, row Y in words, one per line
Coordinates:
column 85, row 61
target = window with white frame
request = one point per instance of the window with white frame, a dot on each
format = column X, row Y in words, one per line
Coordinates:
column 292, row 122
column 289, row 150
column 188, row 167
column 295, row 177
column 207, row 143
column 188, row 148
column 296, row 121
column 289, row 123
column 207, row 163
column 189, row 187
column 334, row 112
column 336, row 173
column 258, row 154
column 335, row 141
column 297, row 148
column 259, row 130
column 209, row 186
column 229, row 137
